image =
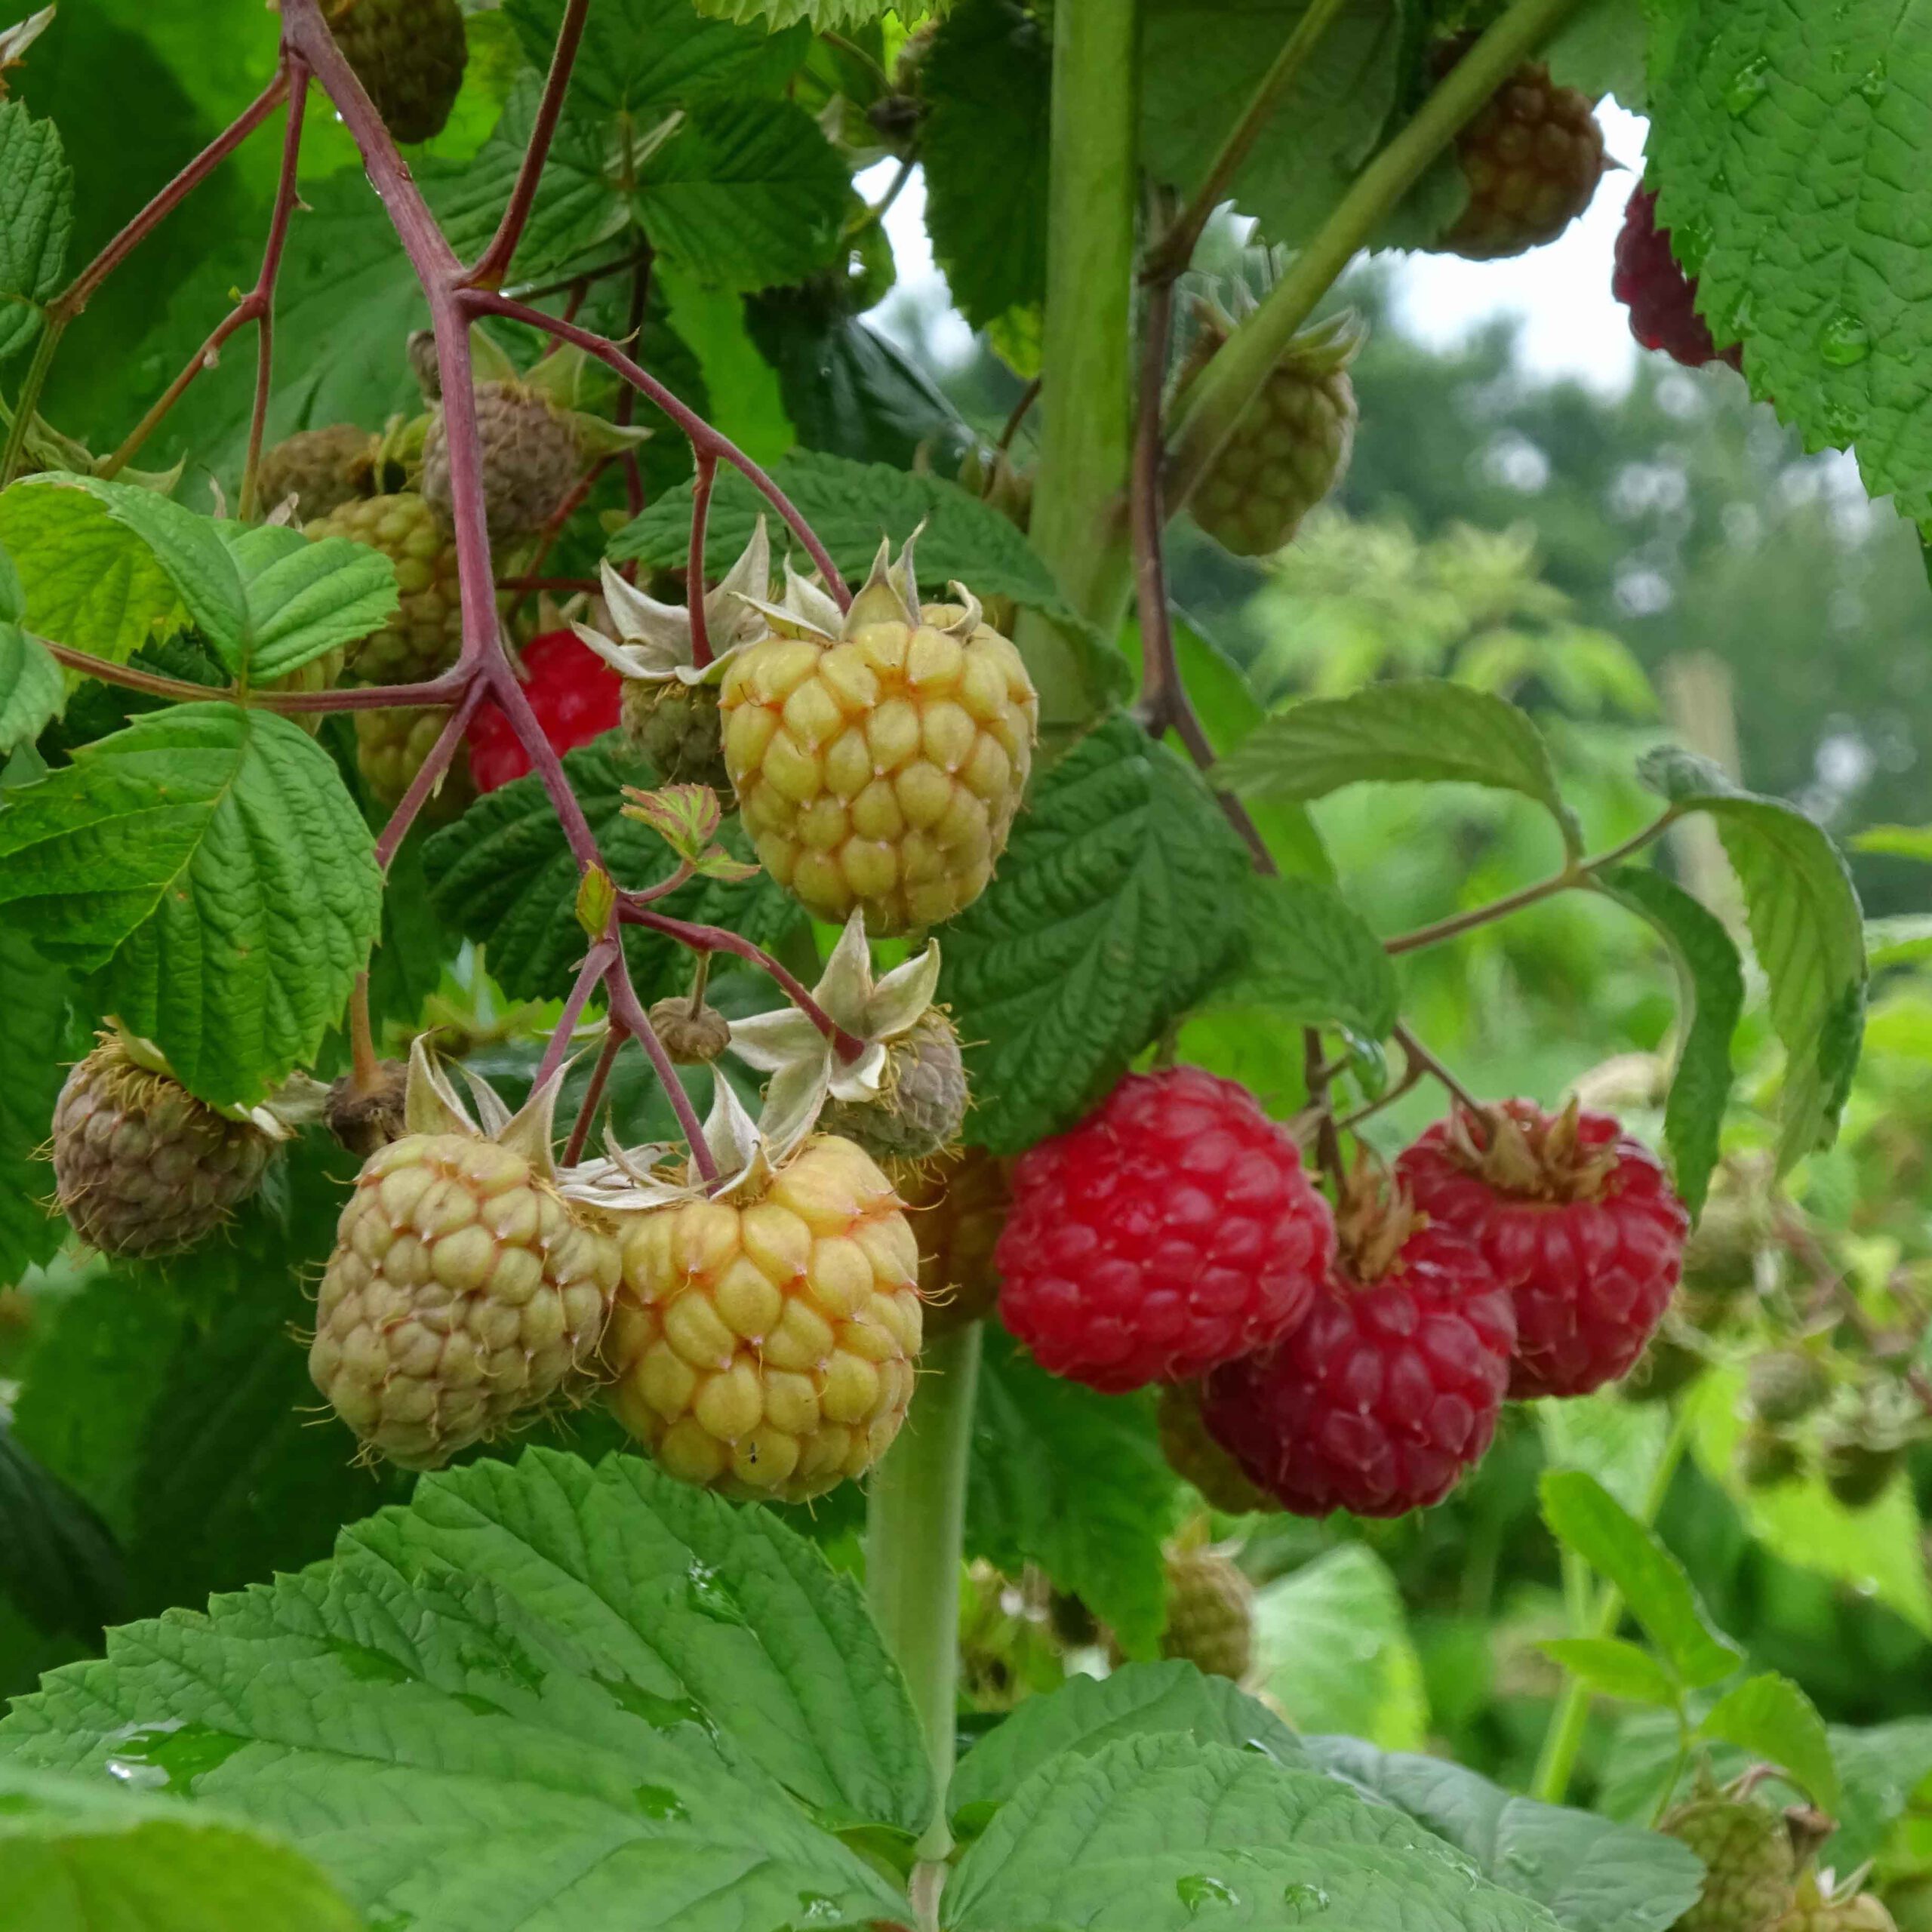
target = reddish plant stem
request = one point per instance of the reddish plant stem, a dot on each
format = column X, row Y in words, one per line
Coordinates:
column 706, row 474
column 614, row 1037
column 425, row 782
column 368, row 697
column 589, row 977
column 703, row 438
column 203, row 358
column 493, row 265
column 546, row 540
column 626, row 1010
column 80, row 290
column 702, row 939
column 1420, row 1056
column 262, row 296
column 365, row 1067
column 1029, row 396
column 568, row 284
column 625, row 412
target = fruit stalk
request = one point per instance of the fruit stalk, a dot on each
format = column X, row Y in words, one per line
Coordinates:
column 260, row 300
column 703, row 477
column 915, row 1529
column 1231, row 381
column 1086, row 382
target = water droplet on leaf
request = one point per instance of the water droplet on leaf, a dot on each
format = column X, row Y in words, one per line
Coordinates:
column 1873, row 84
column 1844, row 341
column 660, row 1801
column 709, row 1596
column 1747, row 84
column 169, row 1756
column 1197, row 1891
column 1298, row 1897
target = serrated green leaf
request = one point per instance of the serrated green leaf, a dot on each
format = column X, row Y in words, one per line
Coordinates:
column 1591, row 1875
column 1408, row 731
column 541, row 1691
column 987, row 80
column 1117, row 906
column 33, row 1000
column 36, row 216
column 1807, row 929
column 1583, row 1515
column 1775, row 153
column 1875, row 1550
column 1149, row 1833
column 33, row 689
column 745, row 196
column 824, row 15
column 75, row 1858
column 852, row 505
column 1332, row 1648
column 62, row 1569
column 1615, row 1668
column 1774, row 1720
column 207, row 866
column 90, row 582
column 1309, row 959
column 747, row 406
column 1086, row 1714
column 504, row 876
column 1621, row 1444
column 1073, row 1481
column 1710, row 1000
column 304, row 599
column 640, row 57
column 1200, row 65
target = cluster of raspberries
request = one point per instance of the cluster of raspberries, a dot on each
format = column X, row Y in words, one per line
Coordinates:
column 1355, row 1360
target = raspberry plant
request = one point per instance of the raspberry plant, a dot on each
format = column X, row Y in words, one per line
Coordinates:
column 572, row 647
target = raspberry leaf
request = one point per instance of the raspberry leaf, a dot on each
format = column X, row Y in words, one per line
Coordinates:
column 1149, row 1833
column 1593, row 1875
column 851, row 505
column 592, row 1686
column 1199, row 65
column 63, row 1570
column 36, row 216
column 1117, row 906
column 1774, row 1720
column 1808, row 931
column 208, row 868
column 1711, row 994
column 1309, row 958
column 1616, row 1668
column 1406, row 730
column 1778, row 136
column 1585, row 1518
column 1086, row 1714
column 77, row 1856
column 33, row 1004
column 1075, row 1482
column 32, row 690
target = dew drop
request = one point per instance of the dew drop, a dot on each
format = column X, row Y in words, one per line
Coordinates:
column 1298, row 1897
column 1748, row 85
column 1873, row 85
column 660, row 1713
column 1197, row 1891
column 1691, row 241
column 708, row 1595
column 817, row 1908
column 367, row 1666
column 660, row 1801
column 1844, row 341
column 169, row 1756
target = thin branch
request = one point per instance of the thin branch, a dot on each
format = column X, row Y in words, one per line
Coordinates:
column 589, row 977
column 614, row 1037
column 625, row 412
column 721, row 939
column 626, row 1010
column 366, row 1068
column 703, row 437
column 872, row 216
column 1419, row 1056
column 427, row 779
column 52, row 328
column 1413, row 1071
column 444, row 689
column 1029, row 396
column 205, row 357
column 263, row 297
column 706, row 475
column 1175, row 250
column 1160, row 693
column 1580, row 873
column 493, row 265
column 1327, row 1139
column 541, row 291
column 76, row 295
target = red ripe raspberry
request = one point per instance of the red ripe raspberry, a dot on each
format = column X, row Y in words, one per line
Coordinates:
column 1579, row 1224
column 1172, row 1229
column 1389, row 1390
column 1662, row 299
column 575, row 695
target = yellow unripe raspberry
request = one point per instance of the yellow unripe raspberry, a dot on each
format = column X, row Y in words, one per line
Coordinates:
column 765, row 1346
column 881, row 768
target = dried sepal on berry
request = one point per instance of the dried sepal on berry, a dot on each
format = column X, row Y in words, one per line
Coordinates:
column 670, row 702
column 879, row 757
column 903, row 1097
column 465, row 1292
column 767, row 1325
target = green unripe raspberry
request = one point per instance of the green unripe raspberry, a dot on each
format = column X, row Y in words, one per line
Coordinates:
column 678, row 727
column 408, row 54
column 1858, row 1472
column 1195, row 1456
column 390, row 747
column 1210, row 1614
column 426, row 633
column 1765, row 1459
column 1787, row 1385
column 1750, row 1871
column 921, row 1103
column 321, row 469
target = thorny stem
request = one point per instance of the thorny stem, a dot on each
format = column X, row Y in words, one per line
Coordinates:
column 369, row 697
column 493, row 265
column 703, row 438
column 423, row 787
column 721, row 939
column 1175, row 250
column 626, row 1010
column 589, row 977
column 705, row 475
column 614, row 1037
column 365, row 1068
column 76, row 295
column 1580, row 872
column 262, row 301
